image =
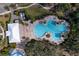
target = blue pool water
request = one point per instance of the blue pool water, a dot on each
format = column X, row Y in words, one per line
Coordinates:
column 52, row 27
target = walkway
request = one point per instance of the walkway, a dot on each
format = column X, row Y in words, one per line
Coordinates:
column 2, row 34
column 47, row 8
column 16, row 9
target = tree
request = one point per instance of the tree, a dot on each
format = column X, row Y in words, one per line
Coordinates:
column 71, row 44
column 4, row 52
column 41, row 48
column 13, row 6
column 6, row 8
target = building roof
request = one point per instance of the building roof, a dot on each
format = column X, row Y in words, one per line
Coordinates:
column 17, row 52
column 13, row 33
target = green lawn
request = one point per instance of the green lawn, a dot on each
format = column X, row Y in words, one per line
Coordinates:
column 4, row 19
column 35, row 11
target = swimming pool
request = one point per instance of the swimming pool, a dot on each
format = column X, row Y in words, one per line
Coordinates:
column 52, row 27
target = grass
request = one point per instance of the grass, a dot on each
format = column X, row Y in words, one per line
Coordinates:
column 60, row 13
column 35, row 11
column 12, row 45
column 5, row 18
column 24, row 4
column 3, row 21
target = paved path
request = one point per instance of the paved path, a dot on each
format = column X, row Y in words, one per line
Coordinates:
column 2, row 32
column 26, row 7
column 17, row 9
column 46, row 8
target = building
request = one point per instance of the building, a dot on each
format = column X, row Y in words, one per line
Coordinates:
column 13, row 33
column 16, row 32
column 16, row 52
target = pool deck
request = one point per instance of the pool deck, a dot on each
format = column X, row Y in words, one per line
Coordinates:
column 27, row 31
